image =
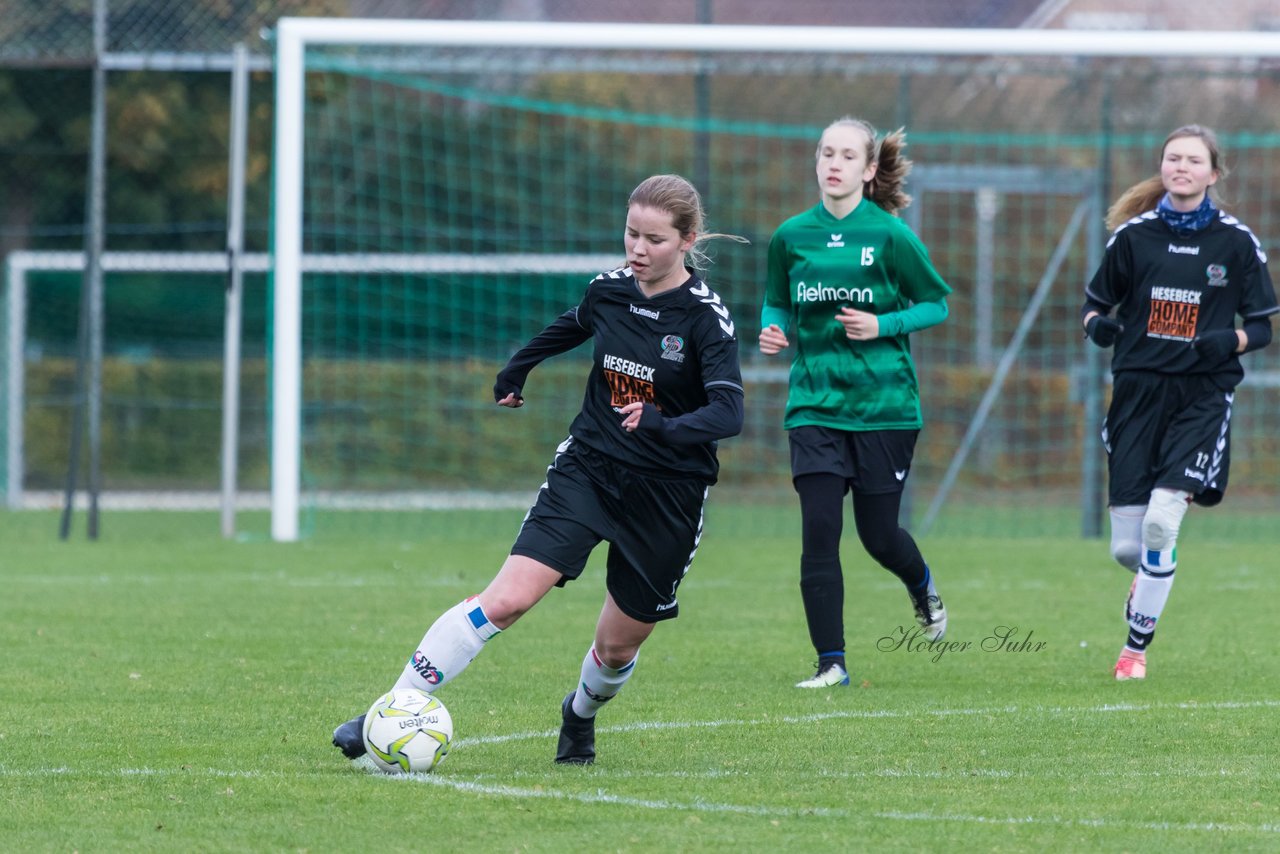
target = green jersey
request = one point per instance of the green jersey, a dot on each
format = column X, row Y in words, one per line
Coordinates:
column 869, row 260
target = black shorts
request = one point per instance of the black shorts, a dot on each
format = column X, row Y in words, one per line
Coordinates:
column 872, row 462
column 653, row 526
column 1167, row 431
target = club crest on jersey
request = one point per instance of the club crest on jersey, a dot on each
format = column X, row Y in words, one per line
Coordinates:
column 672, row 345
column 836, row 241
column 1217, row 275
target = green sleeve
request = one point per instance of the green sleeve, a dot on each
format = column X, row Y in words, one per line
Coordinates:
column 777, row 289
column 918, row 279
column 917, row 316
column 772, row 315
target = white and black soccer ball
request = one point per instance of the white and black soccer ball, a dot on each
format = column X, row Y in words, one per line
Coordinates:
column 407, row 731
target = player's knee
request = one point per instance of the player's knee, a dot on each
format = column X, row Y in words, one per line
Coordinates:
column 885, row 549
column 819, row 572
column 1126, row 535
column 1163, row 519
column 616, row 654
column 1127, row 553
column 502, row 608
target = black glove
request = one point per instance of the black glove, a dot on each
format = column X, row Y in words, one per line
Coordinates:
column 1102, row 330
column 1216, row 346
column 506, row 385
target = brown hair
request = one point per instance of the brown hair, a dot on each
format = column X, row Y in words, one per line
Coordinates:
column 1146, row 194
column 678, row 197
column 892, row 165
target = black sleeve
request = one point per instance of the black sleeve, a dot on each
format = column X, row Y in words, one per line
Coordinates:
column 1110, row 284
column 719, row 419
column 1258, row 331
column 561, row 335
column 1092, row 305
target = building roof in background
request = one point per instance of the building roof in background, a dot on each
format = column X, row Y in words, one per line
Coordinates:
column 844, row 13
column 61, row 32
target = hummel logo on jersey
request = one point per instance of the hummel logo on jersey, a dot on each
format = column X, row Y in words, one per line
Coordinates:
column 645, row 312
column 711, row 298
column 1184, row 250
column 837, row 240
column 900, row 475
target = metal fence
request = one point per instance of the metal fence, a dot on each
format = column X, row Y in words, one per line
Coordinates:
column 166, row 122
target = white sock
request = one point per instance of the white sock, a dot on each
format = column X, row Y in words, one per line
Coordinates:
column 453, row 640
column 1150, row 593
column 1151, row 588
column 599, row 683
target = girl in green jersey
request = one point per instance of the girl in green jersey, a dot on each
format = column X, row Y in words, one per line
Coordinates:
column 848, row 281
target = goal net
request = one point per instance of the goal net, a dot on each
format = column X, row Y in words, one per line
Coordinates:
column 454, row 187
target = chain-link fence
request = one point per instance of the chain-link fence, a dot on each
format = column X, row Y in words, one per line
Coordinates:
column 168, row 129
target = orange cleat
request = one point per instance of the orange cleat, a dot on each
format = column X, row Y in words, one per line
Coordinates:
column 1131, row 665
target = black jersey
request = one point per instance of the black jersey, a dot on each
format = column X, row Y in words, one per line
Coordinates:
column 675, row 351
column 1168, row 289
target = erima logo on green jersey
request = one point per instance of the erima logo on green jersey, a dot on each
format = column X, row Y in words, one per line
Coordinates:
column 827, row 293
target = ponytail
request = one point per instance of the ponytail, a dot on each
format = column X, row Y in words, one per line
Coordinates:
column 886, row 187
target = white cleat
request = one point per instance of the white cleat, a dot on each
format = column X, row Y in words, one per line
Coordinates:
column 931, row 614
column 827, row 677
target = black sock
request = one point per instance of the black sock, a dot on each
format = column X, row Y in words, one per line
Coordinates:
column 826, row 659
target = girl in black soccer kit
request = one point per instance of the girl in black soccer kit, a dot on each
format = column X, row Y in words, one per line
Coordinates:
column 1177, row 271
column 664, row 386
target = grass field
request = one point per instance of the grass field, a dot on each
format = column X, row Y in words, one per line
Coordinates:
column 166, row 690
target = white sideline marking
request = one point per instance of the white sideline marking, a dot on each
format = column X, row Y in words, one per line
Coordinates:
column 1211, row 826
column 599, row 796
column 645, row 726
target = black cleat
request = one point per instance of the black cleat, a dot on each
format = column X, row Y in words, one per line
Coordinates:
column 349, row 738
column 577, row 737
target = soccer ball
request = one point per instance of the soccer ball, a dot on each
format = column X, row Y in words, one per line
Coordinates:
column 407, row 730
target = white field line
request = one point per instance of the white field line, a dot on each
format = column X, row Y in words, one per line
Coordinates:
column 647, row 726
column 1178, row 827
column 698, row 805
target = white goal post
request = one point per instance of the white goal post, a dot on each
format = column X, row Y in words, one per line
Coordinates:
column 295, row 35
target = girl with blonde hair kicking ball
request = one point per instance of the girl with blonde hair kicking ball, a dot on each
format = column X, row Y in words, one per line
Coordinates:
column 663, row 388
